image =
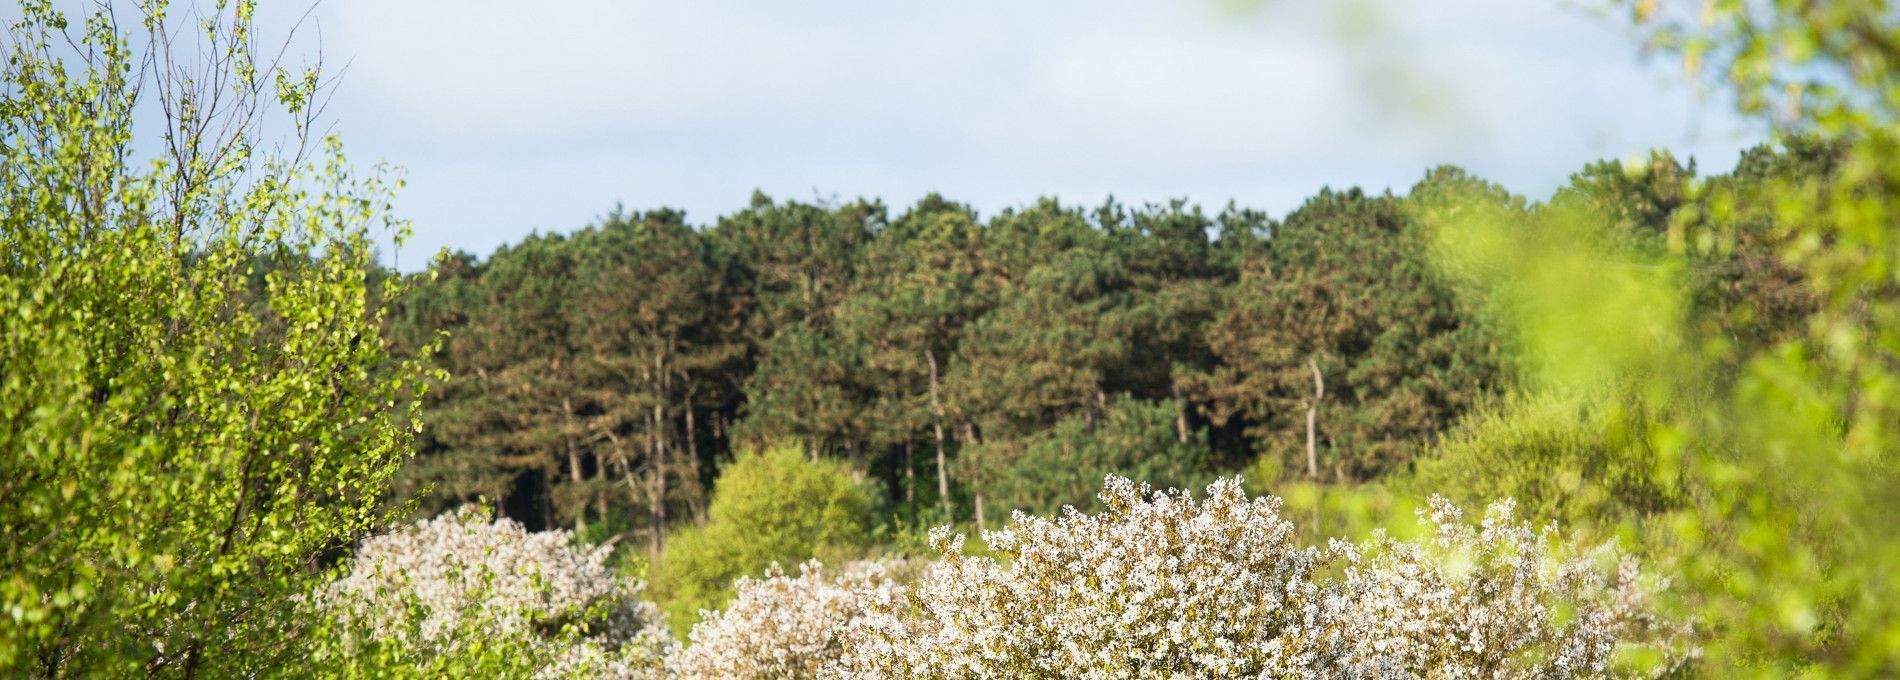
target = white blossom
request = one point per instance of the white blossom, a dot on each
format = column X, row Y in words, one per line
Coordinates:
column 784, row 627
column 1168, row 585
column 1160, row 584
column 461, row 577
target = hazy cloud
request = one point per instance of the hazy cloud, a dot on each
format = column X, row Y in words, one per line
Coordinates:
column 515, row 116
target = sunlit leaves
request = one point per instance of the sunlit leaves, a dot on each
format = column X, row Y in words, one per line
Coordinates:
column 197, row 405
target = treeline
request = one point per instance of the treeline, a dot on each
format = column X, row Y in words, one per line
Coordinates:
column 972, row 366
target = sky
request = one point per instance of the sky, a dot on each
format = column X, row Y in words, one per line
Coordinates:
column 511, row 117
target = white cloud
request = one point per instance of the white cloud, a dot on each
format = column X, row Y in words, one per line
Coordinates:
column 559, row 109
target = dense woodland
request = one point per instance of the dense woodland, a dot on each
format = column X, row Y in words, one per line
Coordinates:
column 975, row 365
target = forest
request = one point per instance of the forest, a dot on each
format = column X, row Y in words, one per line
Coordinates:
column 606, row 376
column 1644, row 426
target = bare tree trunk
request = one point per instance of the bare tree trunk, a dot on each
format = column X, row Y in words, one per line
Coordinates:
column 655, row 527
column 1312, row 421
column 659, row 467
column 936, row 405
column 969, row 438
column 574, row 465
column 660, row 446
column 626, row 475
column 910, row 475
column 697, row 501
column 1181, row 430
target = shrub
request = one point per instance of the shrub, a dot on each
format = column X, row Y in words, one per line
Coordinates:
column 1168, row 584
column 459, row 591
column 770, row 506
column 782, row 626
column 1568, row 459
column 1491, row 601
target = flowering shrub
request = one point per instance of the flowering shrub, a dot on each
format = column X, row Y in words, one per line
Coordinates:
column 462, row 584
column 782, row 626
column 1165, row 584
column 1160, row 584
column 1489, row 602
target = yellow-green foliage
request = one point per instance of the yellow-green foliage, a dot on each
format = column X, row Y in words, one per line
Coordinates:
column 1571, row 459
column 1784, row 546
column 1349, row 512
column 772, row 506
column 184, row 436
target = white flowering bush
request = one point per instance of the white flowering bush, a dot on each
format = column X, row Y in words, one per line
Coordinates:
column 461, row 584
column 784, row 627
column 1491, row 601
column 1159, row 585
column 1168, row 585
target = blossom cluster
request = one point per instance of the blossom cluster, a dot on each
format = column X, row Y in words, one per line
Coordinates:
column 461, row 579
column 1160, row 584
column 1491, row 601
column 1168, row 585
column 785, row 627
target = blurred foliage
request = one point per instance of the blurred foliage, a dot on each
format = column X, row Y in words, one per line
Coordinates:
column 1579, row 460
column 1786, row 548
column 1348, row 512
column 1788, row 454
column 776, row 505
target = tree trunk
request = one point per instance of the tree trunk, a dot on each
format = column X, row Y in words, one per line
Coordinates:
column 1312, row 421
column 658, row 508
column 659, row 467
column 696, row 502
column 936, row 405
column 980, row 524
column 1181, row 430
column 910, row 476
column 574, row 465
column 627, row 475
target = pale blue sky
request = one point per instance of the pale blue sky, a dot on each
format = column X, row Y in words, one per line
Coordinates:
column 516, row 116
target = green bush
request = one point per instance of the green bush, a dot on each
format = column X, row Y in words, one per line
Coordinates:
column 774, row 506
column 1573, row 460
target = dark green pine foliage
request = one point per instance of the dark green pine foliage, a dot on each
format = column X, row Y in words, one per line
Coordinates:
column 1135, row 438
column 799, row 261
column 1178, row 275
column 452, row 461
column 924, row 279
column 655, row 328
column 502, row 426
column 796, row 259
column 1346, row 288
column 602, row 378
column 1045, row 351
